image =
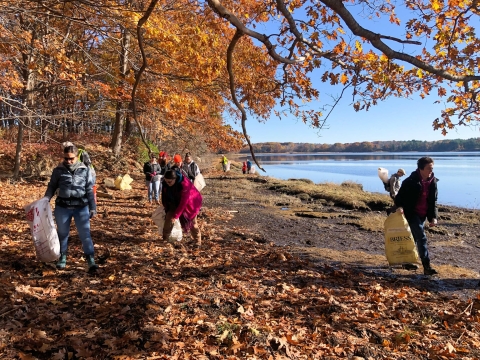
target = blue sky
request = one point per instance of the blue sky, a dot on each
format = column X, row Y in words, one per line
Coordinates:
column 393, row 119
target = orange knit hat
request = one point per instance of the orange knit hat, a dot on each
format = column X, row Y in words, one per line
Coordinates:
column 177, row 158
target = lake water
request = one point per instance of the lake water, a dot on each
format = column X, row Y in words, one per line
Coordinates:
column 458, row 173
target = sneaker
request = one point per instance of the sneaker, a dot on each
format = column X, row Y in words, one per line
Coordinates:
column 429, row 271
column 91, row 263
column 62, row 261
column 410, row 266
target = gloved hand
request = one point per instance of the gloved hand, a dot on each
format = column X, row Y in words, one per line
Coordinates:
column 92, row 213
column 154, row 173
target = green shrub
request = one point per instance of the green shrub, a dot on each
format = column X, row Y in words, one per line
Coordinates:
column 143, row 154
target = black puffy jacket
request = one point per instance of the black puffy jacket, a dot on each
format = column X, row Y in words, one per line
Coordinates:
column 411, row 190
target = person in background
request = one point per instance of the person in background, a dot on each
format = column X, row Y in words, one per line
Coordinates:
column 244, row 167
column 183, row 201
column 190, row 167
column 177, row 161
column 224, row 163
column 249, row 166
column 417, row 198
column 152, row 172
column 178, row 164
column 395, row 182
column 163, row 162
column 75, row 200
column 84, row 157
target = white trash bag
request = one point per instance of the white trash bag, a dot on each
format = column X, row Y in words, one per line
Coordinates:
column 177, row 233
column 45, row 238
column 383, row 174
column 158, row 218
column 199, row 182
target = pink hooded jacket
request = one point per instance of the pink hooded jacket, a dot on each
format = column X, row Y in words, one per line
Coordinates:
column 188, row 198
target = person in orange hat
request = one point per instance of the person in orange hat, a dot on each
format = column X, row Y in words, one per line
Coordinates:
column 177, row 160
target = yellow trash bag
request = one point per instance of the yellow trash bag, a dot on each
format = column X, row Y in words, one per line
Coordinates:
column 400, row 246
column 123, row 182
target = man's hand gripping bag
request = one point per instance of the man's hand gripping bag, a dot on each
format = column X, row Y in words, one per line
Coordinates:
column 400, row 246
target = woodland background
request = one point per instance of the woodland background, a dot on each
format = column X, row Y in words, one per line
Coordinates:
column 171, row 72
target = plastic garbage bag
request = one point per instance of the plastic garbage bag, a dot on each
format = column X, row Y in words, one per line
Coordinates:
column 123, row 182
column 252, row 170
column 383, row 174
column 199, row 182
column 45, row 239
column 177, row 233
column 400, row 246
column 158, row 218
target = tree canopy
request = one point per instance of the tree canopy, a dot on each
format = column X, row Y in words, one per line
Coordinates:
column 176, row 68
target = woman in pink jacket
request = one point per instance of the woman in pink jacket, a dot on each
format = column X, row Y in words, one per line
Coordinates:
column 183, row 201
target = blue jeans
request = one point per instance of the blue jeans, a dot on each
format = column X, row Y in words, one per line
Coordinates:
column 416, row 224
column 154, row 188
column 63, row 218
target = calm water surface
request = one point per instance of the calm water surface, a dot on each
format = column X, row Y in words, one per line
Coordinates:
column 459, row 173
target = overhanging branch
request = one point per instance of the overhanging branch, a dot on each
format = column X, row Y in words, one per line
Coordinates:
column 231, row 47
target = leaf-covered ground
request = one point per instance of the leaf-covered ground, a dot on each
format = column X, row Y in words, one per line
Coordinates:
column 235, row 297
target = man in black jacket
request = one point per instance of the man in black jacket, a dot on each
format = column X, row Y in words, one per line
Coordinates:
column 418, row 199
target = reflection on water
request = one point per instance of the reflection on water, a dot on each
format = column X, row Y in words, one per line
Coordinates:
column 458, row 173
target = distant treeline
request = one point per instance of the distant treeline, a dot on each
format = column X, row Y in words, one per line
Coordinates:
column 472, row 144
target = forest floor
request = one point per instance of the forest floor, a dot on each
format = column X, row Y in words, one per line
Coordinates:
column 275, row 278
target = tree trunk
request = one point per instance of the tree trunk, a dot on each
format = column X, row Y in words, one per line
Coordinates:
column 120, row 114
column 118, row 130
column 18, row 151
column 25, row 113
column 128, row 127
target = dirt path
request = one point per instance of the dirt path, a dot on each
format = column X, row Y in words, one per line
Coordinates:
column 336, row 240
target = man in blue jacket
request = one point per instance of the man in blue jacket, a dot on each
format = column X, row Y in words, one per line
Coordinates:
column 418, row 199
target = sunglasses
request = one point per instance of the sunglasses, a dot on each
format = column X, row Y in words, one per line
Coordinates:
column 69, row 158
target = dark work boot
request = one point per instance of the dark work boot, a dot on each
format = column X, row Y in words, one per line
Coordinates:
column 429, row 271
column 91, row 263
column 62, row 261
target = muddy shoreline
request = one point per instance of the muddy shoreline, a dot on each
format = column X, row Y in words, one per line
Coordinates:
column 333, row 237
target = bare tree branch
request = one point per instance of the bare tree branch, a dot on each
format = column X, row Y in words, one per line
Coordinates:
column 374, row 39
column 224, row 13
column 231, row 47
column 139, row 73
